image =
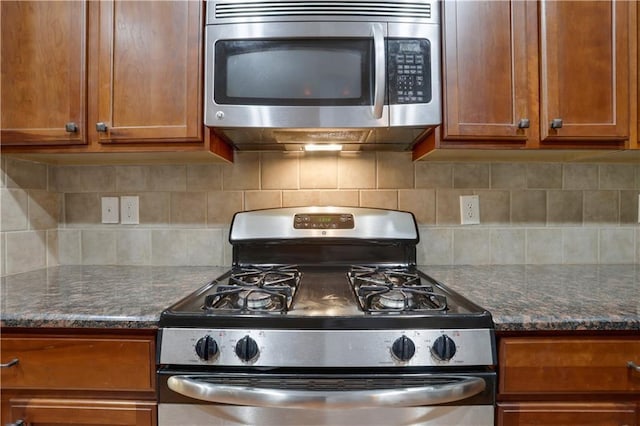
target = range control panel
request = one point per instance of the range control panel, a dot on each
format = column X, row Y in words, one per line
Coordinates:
column 323, row 221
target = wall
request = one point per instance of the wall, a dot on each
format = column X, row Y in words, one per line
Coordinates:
column 537, row 213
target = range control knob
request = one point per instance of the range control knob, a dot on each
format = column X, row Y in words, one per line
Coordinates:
column 206, row 348
column 403, row 348
column 444, row 348
column 247, row 349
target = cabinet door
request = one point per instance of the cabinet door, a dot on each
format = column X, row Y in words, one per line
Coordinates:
column 490, row 73
column 146, row 77
column 553, row 414
column 584, row 70
column 43, row 72
column 44, row 411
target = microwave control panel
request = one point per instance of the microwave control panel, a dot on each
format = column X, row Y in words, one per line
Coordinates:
column 409, row 71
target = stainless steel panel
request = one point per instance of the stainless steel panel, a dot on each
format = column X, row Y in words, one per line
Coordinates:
column 278, row 224
column 228, row 415
column 325, row 348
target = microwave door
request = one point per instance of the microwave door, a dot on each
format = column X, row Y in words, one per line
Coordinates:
column 296, row 75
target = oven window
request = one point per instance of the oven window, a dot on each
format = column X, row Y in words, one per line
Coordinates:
column 294, row 72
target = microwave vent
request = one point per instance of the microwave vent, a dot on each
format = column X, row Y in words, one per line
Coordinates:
column 271, row 9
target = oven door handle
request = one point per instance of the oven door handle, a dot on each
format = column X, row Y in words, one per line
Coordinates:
column 458, row 389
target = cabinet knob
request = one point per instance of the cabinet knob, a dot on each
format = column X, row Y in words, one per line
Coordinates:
column 71, row 127
column 524, row 123
column 11, row 363
column 633, row 366
column 16, row 423
column 556, row 123
column 101, row 127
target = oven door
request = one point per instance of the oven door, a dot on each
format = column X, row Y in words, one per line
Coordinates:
column 266, row 398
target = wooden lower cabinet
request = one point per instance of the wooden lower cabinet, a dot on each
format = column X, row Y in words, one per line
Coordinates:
column 569, row 380
column 78, row 377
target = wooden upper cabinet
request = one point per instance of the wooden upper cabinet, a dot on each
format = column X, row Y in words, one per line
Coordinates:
column 585, row 69
column 146, row 76
column 43, row 72
column 486, row 70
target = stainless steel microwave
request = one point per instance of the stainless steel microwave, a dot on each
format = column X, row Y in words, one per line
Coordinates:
column 302, row 64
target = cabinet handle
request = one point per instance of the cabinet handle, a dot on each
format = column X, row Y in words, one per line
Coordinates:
column 524, row 123
column 16, row 423
column 71, row 127
column 10, row 363
column 556, row 123
column 101, row 127
column 632, row 365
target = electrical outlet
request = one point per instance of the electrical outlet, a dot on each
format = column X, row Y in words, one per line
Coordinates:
column 469, row 209
column 129, row 210
column 110, row 210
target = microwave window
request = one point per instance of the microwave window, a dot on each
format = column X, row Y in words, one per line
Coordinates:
column 311, row 72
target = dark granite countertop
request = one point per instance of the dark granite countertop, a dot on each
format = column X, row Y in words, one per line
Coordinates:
column 520, row 297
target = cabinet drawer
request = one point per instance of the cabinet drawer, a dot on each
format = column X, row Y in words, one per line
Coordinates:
column 535, row 365
column 566, row 413
column 79, row 363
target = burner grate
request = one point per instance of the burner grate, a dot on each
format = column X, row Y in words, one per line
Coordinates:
column 380, row 289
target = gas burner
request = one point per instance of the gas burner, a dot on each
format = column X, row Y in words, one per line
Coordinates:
column 381, row 289
column 260, row 288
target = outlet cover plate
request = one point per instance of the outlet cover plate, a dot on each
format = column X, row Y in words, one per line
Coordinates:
column 110, row 210
column 469, row 209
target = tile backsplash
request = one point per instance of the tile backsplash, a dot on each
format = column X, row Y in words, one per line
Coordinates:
column 535, row 213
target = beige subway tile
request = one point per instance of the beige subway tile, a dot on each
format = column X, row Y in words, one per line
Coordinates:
column 601, row 207
column 580, row 245
column 448, row 205
column 254, row 200
column 227, row 248
column 44, row 209
column 25, row 251
column 155, row 208
column 204, row 247
column 617, row 176
column 471, row 246
column 169, row 247
column 617, row 245
column 379, row 199
column 471, row 175
column 564, row 207
column 53, row 248
column 204, row 177
column 169, row 177
column 3, row 253
column 580, row 176
column 544, row 176
column 420, row 202
column 70, row 246
column 320, row 198
column 188, row 208
column 508, row 175
column 133, row 247
column 82, row 208
column 221, row 205
column 98, row 247
column 300, row 198
column 434, row 175
column 14, row 209
column 25, row 174
column 528, row 206
column 395, row 170
column 507, row 246
column 279, row 171
column 638, row 246
column 357, row 171
column 435, row 247
column 132, row 178
column 3, row 175
column 244, row 173
column 319, row 171
column 85, row 178
column 494, row 206
column 629, row 207
column 544, row 246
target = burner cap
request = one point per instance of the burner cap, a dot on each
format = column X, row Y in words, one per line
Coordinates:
column 395, row 299
column 257, row 299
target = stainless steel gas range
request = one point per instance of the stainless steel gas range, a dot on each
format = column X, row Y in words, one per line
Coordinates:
column 324, row 319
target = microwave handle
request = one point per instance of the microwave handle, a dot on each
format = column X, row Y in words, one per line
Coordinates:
column 380, row 65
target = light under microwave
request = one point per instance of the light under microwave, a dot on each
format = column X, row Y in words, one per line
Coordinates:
column 322, row 69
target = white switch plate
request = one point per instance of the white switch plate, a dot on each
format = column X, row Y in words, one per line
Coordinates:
column 129, row 210
column 469, row 210
column 110, row 210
